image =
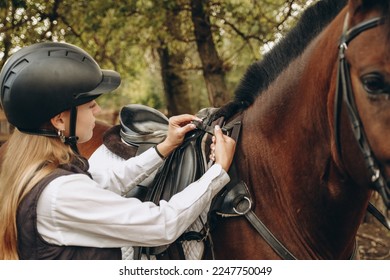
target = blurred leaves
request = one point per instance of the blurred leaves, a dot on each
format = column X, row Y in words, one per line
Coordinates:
column 125, row 35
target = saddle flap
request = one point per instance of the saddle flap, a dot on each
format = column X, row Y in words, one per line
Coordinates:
column 184, row 166
column 233, row 201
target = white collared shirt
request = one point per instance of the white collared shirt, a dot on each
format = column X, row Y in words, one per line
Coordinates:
column 76, row 210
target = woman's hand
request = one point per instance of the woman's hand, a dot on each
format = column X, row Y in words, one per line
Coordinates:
column 222, row 149
column 177, row 129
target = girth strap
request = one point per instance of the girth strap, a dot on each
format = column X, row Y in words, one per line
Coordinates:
column 235, row 200
column 269, row 237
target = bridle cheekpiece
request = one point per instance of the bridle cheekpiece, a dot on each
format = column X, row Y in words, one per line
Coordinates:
column 344, row 93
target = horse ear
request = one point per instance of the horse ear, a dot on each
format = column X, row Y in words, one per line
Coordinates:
column 356, row 6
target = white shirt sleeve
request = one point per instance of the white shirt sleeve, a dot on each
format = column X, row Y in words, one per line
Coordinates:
column 119, row 176
column 75, row 210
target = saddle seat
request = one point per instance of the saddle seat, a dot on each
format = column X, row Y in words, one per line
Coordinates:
column 142, row 125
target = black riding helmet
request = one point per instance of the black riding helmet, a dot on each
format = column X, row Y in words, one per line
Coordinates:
column 42, row 80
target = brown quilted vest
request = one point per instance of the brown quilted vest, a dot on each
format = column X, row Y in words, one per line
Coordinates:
column 31, row 245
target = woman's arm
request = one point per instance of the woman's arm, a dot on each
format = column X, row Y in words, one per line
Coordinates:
column 73, row 211
column 118, row 175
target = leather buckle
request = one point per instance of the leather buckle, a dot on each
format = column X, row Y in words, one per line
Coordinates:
column 239, row 206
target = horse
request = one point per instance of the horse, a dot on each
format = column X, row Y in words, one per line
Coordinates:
column 312, row 146
column 313, row 143
column 88, row 148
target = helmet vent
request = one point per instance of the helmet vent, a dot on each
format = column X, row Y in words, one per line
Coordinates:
column 9, row 79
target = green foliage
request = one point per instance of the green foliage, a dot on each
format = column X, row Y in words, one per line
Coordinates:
column 125, row 34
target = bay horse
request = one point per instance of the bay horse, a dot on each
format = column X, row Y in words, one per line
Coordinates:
column 313, row 143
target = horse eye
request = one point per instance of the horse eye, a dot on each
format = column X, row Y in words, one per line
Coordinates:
column 374, row 83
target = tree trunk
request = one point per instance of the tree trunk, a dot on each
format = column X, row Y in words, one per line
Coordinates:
column 174, row 81
column 212, row 65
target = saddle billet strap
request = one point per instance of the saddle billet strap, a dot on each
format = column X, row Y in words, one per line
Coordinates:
column 226, row 128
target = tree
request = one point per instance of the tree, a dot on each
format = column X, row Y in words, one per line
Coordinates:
column 175, row 84
column 212, row 65
column 187, row 54
column 172, row 56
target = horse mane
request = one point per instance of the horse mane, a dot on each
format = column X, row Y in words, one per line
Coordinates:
column 262, row 73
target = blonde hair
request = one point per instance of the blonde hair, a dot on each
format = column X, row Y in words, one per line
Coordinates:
column 27, row 160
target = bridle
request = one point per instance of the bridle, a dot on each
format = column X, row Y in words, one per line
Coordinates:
column 344, row 93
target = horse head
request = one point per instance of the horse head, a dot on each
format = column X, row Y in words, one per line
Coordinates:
column 363, row 91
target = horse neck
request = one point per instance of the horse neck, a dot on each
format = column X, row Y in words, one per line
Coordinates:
column 286, row 147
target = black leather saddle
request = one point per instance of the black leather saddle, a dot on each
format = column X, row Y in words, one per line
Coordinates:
column 142, row 127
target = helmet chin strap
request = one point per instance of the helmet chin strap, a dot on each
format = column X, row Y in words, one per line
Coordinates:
column 71, row 140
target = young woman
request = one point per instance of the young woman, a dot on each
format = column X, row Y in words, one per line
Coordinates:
column 52, row 207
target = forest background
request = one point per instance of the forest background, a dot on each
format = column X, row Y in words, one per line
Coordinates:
column 177, row 56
